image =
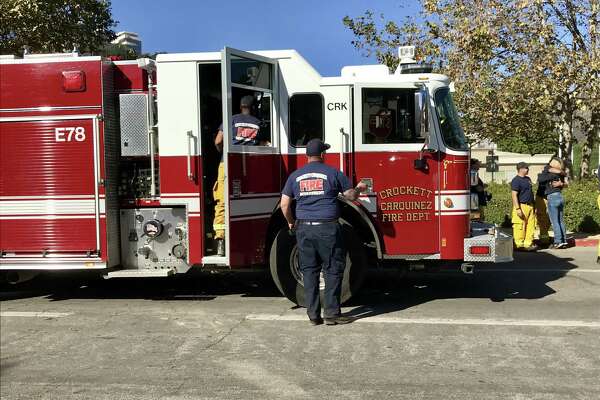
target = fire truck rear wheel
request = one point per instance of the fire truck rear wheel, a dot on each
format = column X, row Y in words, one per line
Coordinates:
column 286, row 272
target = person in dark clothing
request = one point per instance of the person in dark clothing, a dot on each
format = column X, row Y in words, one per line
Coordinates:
column 523, row 214
column 554, row 182
column 315, row 188
column 479, row 189
column 541, row 204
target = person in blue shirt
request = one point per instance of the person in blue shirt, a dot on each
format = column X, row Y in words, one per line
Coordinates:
column 245, row 130
column 523, row 213
column 315, row 188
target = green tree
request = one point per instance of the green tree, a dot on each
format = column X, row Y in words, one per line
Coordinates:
column 46, row 26
column 524, row 70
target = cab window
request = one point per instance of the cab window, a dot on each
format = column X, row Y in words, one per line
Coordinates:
column 449, row 120
column 306, row 118
column 251, row 78
column 388, row 116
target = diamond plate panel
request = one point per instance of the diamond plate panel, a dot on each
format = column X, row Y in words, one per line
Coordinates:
column 134, row 124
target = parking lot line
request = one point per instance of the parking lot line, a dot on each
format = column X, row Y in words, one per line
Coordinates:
column 538, row 270
column 34, row 314
column 440, row 321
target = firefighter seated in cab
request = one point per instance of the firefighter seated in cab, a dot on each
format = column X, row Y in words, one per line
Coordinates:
column 245, row 130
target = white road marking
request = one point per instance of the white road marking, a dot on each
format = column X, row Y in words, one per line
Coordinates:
column 483, row 269
column 34, row 314
column 440, row 321
column 275, row 385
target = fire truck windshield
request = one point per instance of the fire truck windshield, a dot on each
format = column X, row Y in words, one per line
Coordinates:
column 449, row 121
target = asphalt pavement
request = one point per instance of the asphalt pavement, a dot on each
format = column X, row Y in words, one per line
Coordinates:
column 525, row 330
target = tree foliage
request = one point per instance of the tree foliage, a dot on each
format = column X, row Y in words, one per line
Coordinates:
column 47, row 26
column 525, row 71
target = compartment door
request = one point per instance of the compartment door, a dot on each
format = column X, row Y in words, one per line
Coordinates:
column 388, row 138
column 49, row 170
column 252, row 170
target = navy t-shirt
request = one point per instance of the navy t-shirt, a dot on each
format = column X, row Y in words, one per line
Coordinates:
column 245, row 129
column 523, row 186
column 315, row 188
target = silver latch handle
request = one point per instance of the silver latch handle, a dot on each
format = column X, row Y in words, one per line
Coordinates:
column 190, row 137
column 343, row 148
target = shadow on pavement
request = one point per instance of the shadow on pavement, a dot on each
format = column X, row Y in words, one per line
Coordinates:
column 525, row 278
column 385, row 290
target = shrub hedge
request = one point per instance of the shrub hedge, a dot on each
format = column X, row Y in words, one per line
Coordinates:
column 581, row 207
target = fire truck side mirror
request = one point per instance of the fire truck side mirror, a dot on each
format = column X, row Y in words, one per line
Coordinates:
column 421, row 164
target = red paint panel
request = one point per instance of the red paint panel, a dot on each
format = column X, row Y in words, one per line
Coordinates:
column 41, row 85
column 130, row 77
column 405, row 227
column 455, row 174
column 173, row 175
column 248, row 242
column 257, row 173
column 195, row 240
column 454, row 229
column 43, row 158
column 54, row 235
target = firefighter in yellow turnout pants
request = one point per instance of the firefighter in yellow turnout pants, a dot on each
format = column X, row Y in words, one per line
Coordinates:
column 245, row 130
column 523, row 213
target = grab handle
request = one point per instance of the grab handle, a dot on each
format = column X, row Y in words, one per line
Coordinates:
column 190, row 137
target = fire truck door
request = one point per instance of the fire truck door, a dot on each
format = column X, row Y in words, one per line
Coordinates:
column 49, row 174
column 338, row 122
column 394, row 154
column 251, row 149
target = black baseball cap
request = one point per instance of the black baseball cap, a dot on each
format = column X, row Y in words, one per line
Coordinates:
column 315, row 147
column 522, row 164
column 246, row 101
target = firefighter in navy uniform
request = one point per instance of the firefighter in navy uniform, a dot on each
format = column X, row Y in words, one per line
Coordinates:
column 245, row 129
column 315, row 188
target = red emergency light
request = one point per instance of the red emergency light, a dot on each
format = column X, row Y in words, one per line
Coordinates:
column 480, row 250
column 73, row 81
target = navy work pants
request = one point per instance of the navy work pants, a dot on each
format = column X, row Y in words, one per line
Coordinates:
column 321, row 247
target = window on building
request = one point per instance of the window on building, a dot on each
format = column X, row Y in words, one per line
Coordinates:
column 306, row 118
column 388, row 116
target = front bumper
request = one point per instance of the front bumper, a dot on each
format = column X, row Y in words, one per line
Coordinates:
column 484, row 236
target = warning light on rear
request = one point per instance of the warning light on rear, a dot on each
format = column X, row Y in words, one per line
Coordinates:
column 73, row 81
column 480, row 250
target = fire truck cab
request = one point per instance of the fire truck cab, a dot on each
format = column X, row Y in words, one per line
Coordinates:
column 111, row 165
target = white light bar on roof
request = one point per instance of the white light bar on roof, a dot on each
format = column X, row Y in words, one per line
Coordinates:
column 406, row 54
column 51, row 55
column 356, row 71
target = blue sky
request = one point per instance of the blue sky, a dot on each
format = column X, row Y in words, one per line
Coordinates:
column 314, row 28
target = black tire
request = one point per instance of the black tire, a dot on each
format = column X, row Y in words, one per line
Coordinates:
column 283, row 262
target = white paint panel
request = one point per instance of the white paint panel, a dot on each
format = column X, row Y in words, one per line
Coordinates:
column 193, row 204
column 177, row 97
column 251, row 206
column 461, row 202
column 42, row 207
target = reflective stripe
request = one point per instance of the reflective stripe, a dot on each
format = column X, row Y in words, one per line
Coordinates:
column 47, row 207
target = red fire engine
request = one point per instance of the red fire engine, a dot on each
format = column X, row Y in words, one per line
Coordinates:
column 110, row 165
